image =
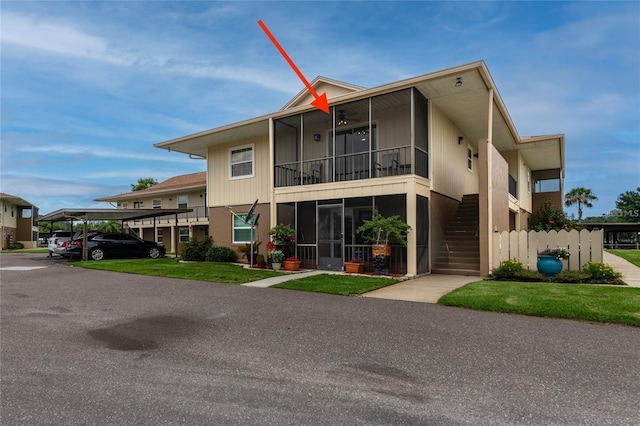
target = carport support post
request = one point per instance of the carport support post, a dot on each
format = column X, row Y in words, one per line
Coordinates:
column 85, row 240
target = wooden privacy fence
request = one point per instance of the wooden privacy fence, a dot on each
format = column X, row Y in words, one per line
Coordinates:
column 583, row 246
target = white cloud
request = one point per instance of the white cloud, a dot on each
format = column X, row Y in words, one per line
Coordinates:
column 58, row 39
column 93, row 151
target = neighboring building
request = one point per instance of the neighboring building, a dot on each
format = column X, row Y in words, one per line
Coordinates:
column 18, row 221
column 439, row 150
column 184, row 191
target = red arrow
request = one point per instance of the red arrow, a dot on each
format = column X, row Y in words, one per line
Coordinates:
column 320, row 101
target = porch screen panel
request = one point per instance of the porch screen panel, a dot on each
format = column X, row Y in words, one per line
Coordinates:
column 389, row 205
column 422, row 234
column 421, row 134
column 287, row 151
column 316, row 142
column 353, row 141
column 307, row 222
column 392, row 114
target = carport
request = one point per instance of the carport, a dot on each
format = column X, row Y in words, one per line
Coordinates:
column 86, row 215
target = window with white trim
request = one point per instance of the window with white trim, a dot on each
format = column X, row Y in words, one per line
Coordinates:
column 157, row 203
column 182, row 201
column 241, row 162
column 241, row 230
column 183, row 235
column 469, row 158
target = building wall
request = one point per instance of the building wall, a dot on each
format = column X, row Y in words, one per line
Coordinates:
column 449, row 172
column 195, row 197
column 540, row 198
column 224, row 191
column 9, row 214
column 221, row 225
column 519, row 170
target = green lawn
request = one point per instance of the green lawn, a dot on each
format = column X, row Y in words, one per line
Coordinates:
column 36, row 250
column 344, row 285
column 584, row 302
column 168, row 267
column 632, row 256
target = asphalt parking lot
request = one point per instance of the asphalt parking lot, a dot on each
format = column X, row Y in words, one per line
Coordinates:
column 94, row 347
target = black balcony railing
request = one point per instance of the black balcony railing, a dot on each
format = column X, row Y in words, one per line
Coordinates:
column 347, row 167
column 200, row 214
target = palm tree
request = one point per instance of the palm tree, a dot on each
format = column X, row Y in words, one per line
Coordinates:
column 580, row 196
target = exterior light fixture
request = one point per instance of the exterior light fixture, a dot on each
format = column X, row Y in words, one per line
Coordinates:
column 316, row 137
column 459, row 82
column 460, row 138
column 342, row 119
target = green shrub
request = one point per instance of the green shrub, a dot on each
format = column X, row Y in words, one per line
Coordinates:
column 601, row 273
column 16, row 246
column 194, row 250
column 573, row 277
column 508, row 270
column 220, row 254
column 527, row 275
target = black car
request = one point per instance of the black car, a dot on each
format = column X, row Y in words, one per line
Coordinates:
column 112, row 245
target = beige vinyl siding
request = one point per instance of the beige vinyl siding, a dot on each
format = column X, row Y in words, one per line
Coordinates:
column 449, row 159
column 224, row 191
column 8, row 220
column 393, row 126
column 331, row 90
column 351, row 189
column 518, row 169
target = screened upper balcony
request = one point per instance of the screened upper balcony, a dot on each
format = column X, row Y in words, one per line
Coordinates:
column 364, row 139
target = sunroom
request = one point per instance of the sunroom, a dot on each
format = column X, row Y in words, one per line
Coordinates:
column 377, row 136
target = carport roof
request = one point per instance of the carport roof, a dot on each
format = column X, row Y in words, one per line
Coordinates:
column 108, row 214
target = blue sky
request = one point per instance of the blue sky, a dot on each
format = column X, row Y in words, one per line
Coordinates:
column 87, row 88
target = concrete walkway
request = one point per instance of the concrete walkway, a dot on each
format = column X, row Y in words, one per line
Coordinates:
column 428, row 288
column 630, row 272
column 268, row 282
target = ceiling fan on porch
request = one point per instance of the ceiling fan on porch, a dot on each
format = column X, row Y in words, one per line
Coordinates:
column 343, row 118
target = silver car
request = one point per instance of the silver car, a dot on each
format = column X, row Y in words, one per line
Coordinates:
column 58, row 241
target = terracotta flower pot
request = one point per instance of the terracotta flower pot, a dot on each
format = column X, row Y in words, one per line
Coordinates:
column 291, row 265
column 353, row 268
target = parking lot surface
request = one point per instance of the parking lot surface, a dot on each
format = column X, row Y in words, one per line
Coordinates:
column 93, row 347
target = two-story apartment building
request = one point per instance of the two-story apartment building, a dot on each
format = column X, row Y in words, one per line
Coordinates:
column 17, row 221
column 439, row 150
column 178, row 192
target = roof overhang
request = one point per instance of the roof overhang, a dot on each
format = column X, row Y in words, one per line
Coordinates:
column 467, row 105
column 134, row 195
column 107, row 214
column 16, row 200
column 197, row 144
column 543, row 152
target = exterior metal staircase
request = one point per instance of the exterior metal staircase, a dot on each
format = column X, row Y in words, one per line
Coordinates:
column 460, row 250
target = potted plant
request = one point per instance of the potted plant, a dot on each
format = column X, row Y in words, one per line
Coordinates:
column 550, row 261
column 277, row 256
column 260, row 262
column 282, row 234
column 291, row 263
column 381, row 232
column 354, row 266
column 246, row 251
